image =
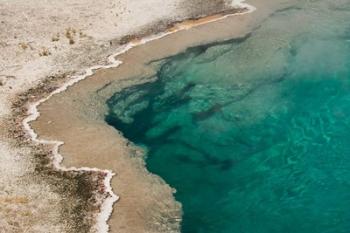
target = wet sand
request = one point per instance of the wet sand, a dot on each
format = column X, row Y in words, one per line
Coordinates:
column 76, row 117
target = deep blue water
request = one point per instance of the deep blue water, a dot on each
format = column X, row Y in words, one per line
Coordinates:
column 254, row 134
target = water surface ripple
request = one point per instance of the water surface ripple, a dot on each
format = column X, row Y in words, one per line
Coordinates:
column 253, row 134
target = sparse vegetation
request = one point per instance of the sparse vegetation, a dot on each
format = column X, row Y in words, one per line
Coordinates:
column 70, row 33
column 44, row 52
column 23, row 45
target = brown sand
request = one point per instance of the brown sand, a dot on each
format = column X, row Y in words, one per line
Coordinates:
column 77, row 117
column 44, row 39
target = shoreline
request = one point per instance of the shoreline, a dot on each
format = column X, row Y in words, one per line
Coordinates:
column 33, row 113
column 105, row 79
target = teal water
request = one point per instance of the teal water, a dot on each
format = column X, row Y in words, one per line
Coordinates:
column 254, row 134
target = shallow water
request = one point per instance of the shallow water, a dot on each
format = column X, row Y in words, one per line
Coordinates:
column 253, row 133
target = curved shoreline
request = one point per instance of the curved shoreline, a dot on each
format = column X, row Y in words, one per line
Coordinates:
column 33, row 113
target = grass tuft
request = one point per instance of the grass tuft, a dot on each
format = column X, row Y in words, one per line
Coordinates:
column 70, row 33
column 44, row 52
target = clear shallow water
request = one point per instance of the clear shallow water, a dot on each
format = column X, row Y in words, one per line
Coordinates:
column 254, row 134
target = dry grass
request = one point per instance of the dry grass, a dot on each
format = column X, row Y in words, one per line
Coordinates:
column 14, row 200
column 70, row 34
column 44, row 52
column 23, row 45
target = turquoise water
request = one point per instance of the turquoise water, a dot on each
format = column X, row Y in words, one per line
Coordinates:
column 254, row 134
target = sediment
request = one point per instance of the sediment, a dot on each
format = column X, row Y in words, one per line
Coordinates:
column 83, row 191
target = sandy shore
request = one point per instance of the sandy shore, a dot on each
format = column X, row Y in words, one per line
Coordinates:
column 52, row 41
column 76, row 117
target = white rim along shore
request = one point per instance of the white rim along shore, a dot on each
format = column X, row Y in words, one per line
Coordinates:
column 33, row 113
column 206, row 32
